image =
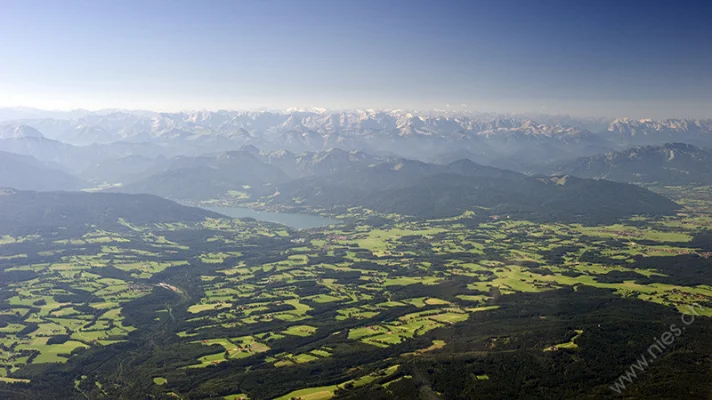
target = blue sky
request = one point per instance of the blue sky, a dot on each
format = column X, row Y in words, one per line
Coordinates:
column 600, row 57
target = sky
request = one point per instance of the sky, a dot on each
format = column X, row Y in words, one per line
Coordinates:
column 587, row 58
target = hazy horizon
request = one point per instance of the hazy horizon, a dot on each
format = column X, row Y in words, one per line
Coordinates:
column 636, row 59
column 446, row 110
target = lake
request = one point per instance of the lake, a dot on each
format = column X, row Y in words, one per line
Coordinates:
column 292, row 220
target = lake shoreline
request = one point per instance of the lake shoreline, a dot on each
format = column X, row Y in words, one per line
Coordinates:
column 291, row 220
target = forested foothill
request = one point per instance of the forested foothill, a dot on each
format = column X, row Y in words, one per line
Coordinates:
column 141, row 297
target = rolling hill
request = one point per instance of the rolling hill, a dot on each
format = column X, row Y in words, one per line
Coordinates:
column 27, row 212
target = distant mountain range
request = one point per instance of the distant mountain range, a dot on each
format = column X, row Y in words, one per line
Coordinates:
column 246, row 170
column 16, row 131
column 337, row 178
column 656, row 132
column 669, row 164
column 420, row 189
column 517, row 142
column 21, row 139
column 390, row 161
